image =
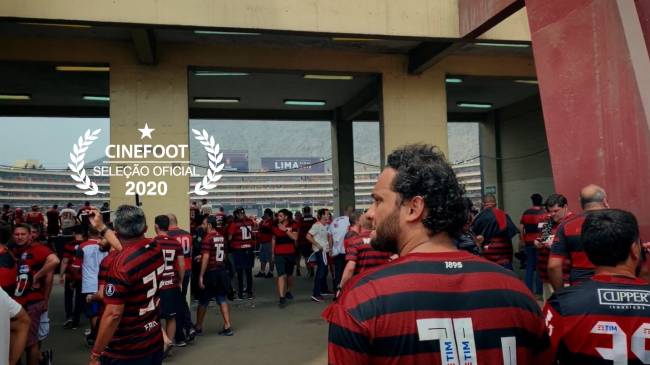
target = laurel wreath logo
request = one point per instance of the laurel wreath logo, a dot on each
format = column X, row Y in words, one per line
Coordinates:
column 76, row 163
column 214, row 162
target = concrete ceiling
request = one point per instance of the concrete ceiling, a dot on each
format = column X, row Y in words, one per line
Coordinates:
column 496, row 91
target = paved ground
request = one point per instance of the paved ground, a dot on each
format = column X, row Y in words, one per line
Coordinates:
column 264, row 333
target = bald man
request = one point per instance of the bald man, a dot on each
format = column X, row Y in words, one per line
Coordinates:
column 494, row 230
column 567, row 243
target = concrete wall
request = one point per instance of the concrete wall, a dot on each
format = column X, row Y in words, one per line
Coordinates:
column 413, row 18
column 521, row 133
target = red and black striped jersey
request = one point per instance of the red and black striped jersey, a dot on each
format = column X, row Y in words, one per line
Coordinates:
column 184, row 238
column 497, row 229
column 530, row 220
column 265, row 233
column 7, row 270
column 104, row 266
column 171, row 251
column 284, row 245
column 30, row 260
column 304, row 225
column 567, row 245
column 605, row 320
column 543, row 253
column 34, row 218
column 435, row 308
column 133, row 281
column 214, row 245
column 361, row 252
column 240, row 235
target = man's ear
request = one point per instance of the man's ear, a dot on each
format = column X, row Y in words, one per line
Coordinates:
column 416, row 209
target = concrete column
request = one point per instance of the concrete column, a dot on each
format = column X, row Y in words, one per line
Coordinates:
column 489, row 146
column 156, row 95
column 414, row 109
column 342, row 164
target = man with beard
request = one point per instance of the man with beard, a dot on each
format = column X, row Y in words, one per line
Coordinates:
column 434, row 304
column 494, row 230
column 604, row 320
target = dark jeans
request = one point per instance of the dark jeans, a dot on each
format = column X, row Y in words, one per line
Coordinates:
column 183, row 316
column 320, row 281
column 74, row 300
column 339, row 266
column 154, row 359
column 249, row 280
column 532, row 276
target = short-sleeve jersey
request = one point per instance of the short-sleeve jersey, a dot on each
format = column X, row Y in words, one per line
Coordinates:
column 265, row 232
column 30, row 260
column 605, row 320
column 360, row 251
column 242, row 235
column 133, row 281
column 568, row 246
column 530, row 220
column 184, row 238
column 304, row 226
column 171, row 250
column 435, row 308
column 214, row 245
column 284, row 245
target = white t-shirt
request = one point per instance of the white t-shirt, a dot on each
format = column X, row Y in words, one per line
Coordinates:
column 206, row 209
column 90, row 268
column 339, row 228
column 68, row 218
column 9, row 308
column 320, row 233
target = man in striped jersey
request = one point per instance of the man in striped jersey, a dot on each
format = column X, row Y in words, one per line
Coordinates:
column 434, row 304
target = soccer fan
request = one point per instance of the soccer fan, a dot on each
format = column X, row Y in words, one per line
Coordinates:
column 172, row 277
column 19, row 217
column 68, row 219
column 434, row 304
column 129, row 330
column 304, row 245
column 14, row 328
column 35, row 218
column 321, row 241
column 338, row 228
column 8, row 269
column 70, row 278
column 213, row 277
column 205, row 207
column 467, row 240
column 361, row 256
column 604, row 320
column 284, row 254
column 558, row 212
column 264, row 237
column 242, row 243
column 7, row 216
column 91, row 257
column 53, row 221
column 494, row 230
column 35, row 263
column 84, row 215
column 195, row 217
column 222, row 220
column 184, row 326
column 529, row 226
column 568, row 245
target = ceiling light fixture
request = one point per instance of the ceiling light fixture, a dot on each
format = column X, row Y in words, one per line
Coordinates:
column 96, row 98
column 83, row 68
column 474, row 105
column 527, row 82
column 218, row 73
column 15, row 97
column 328, row 77
column 218, row 32
column 453, row 80
column 304, row 102
column 217, row 100
column 507, row 45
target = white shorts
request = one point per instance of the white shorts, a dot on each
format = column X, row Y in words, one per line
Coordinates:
column 44, row 327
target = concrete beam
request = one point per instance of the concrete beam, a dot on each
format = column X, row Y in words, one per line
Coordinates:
column 359, row 103
column 475, row 17
column 342, row 163
column 144, row 42
column 428, row 54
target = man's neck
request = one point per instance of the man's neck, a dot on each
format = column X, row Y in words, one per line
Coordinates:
column 161, row 233
column 132, row 240
column 623, row 270
column 422, row 242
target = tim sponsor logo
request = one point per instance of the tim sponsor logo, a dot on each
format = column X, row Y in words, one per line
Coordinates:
column 624, row 297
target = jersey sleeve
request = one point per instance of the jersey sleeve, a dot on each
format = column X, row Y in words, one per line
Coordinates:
column 559, row 246
column 348, row 341
column 554, row 328
column 205, row 246
column 351, row 253
column 117, row 286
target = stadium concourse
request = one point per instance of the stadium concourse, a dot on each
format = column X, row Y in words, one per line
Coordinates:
column 296, row 335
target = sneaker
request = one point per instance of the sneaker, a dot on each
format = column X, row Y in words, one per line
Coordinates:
column 239, row 298
column 327, row 293
column 198, row 331
column 318, row 298
column 179, row 344
column 288, row 295
column 191, row 335
column 68, row 324
column 283, row 302
column 260, row 275
column 269, row 275
column 226, row 332
column 250, row 296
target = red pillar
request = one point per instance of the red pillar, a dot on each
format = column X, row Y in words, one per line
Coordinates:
column 594, row 78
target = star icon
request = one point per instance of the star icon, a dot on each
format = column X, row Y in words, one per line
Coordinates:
column 146, row 131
